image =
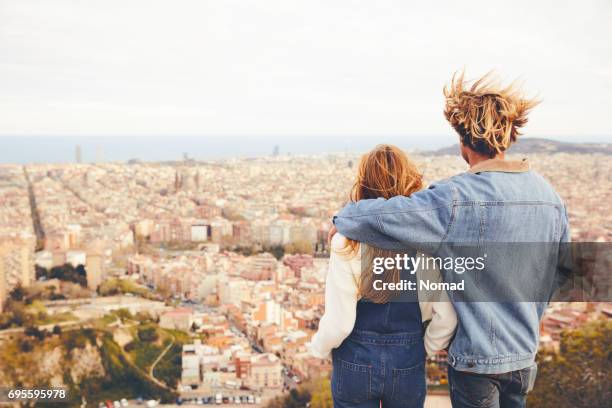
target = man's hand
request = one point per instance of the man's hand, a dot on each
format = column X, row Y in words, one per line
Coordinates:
column 330, row 234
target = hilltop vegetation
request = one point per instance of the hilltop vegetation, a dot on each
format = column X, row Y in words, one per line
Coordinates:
column 579, row 374
column 88, row 361
column 24, row 308
column 313, row 394
column 534, row 145
column 116, row 286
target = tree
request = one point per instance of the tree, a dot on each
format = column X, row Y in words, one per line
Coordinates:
column 123, row 314
column 17, row 294
column 147, row 333
column 321, row 394
column 143, row 317
column 20, row 316
column 65, row 272
column 6, row 319
column 33, row 331
column 299, row 247
column 277, row 250
column 579, row 374
column 25, row 346
column 303, row 396
column 40, row 271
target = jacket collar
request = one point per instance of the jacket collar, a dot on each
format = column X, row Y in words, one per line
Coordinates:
column 505, row 166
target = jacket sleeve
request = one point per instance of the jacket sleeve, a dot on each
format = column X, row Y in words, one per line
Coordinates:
column 340, row 301
column 420, row 221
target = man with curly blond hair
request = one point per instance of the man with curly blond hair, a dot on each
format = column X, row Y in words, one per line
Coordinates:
column 498, row 205
column 486, row 115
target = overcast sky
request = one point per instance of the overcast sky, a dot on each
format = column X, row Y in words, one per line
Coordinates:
column 293, row 67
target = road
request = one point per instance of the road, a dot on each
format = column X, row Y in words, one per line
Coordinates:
column 158, row 359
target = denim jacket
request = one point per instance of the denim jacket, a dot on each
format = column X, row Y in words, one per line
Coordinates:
column 496, row 201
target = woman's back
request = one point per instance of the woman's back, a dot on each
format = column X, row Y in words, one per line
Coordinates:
column 383, row 357
column 389, row 318
column 377, row 340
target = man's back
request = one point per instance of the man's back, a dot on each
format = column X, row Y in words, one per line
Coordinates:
column 502, row 206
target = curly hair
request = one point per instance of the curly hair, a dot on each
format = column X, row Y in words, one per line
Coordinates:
column 486, row 115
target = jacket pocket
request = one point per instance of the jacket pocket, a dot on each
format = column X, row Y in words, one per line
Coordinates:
column 409, row 386
column 477, row 390
column 351, row 382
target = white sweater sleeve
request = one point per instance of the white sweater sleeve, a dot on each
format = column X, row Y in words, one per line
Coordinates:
column 340, row 301
column 437, row 308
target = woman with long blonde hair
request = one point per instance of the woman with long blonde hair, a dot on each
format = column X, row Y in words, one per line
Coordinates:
column 378, row 341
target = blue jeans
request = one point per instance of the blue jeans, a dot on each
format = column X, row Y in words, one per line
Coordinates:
column 507, row 390
column 371, row 368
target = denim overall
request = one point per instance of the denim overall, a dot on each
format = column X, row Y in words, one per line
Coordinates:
column 383, row 359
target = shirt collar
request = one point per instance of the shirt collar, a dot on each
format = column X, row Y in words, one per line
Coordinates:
column 505, row 166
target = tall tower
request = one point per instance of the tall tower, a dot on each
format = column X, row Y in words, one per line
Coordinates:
column 95, row 265
column 178, row 181
column 94, row 270
column 276, row 151
column 17, row 258
column 77, row 154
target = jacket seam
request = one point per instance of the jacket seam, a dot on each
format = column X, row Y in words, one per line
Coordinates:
column 492, row 359
column 504, row 203
column 483, row 223
column 453, row 214
column 392, row 212
column 380, row 223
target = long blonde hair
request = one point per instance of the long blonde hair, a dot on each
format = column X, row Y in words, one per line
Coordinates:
column 385, row 172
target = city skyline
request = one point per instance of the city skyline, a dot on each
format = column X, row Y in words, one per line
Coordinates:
column 228, row 259
column 41, row 149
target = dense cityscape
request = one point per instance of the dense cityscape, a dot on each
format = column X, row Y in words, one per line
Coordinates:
column 221, row 263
